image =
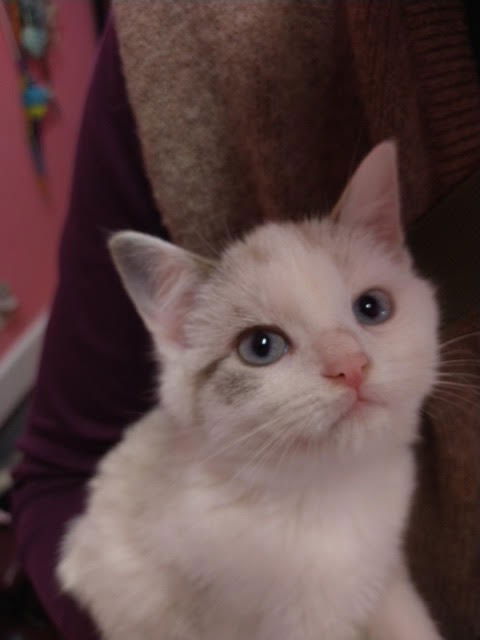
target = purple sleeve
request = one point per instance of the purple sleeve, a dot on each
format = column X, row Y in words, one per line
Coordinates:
column 96, row 373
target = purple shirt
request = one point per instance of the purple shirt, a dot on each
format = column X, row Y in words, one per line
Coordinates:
column 96, row 374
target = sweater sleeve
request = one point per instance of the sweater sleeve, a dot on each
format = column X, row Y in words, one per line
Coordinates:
column 96, row 373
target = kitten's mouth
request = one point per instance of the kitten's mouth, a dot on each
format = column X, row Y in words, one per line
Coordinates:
column 360, row 402
column 359, row 405
column 354, row 410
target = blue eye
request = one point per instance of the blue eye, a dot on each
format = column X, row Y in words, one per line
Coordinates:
column 260, row 347
column 373, row 307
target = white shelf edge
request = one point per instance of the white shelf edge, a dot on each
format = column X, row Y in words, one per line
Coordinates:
column 18, row 366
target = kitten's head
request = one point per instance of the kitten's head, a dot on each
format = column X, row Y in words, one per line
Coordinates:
column 303, row 337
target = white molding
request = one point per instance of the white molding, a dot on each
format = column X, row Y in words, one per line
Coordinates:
column 18, row 367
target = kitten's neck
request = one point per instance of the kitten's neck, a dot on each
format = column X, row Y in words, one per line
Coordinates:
column 300, row 474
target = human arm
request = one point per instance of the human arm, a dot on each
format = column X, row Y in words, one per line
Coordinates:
column 96, row 374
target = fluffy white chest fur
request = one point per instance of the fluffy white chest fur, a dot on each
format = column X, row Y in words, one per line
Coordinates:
column 210, row 562
column 301, row 568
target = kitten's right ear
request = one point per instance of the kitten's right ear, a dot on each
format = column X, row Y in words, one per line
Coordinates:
column 161, row 280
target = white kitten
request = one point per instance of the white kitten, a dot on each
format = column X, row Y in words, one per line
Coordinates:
column 267, row 497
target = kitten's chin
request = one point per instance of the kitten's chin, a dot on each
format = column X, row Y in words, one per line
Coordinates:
column 358, row 414
column 369, row 426
column 359, row 425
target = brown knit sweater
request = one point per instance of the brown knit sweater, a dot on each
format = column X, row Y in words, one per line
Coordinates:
column 261, row 109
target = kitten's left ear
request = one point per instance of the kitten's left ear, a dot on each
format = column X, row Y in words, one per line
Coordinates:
column 372, row 197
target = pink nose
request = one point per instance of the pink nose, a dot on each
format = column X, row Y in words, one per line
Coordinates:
column 349, row 369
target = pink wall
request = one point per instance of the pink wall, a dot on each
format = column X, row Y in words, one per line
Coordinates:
column 29, row 223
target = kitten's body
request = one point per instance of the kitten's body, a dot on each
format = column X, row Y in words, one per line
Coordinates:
column 169, row 543
column 266, row 503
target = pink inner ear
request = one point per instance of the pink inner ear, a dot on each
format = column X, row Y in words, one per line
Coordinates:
column 172, row 321
column 372, row 197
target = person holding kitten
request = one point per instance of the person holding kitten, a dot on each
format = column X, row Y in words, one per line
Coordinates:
column 205, row 121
